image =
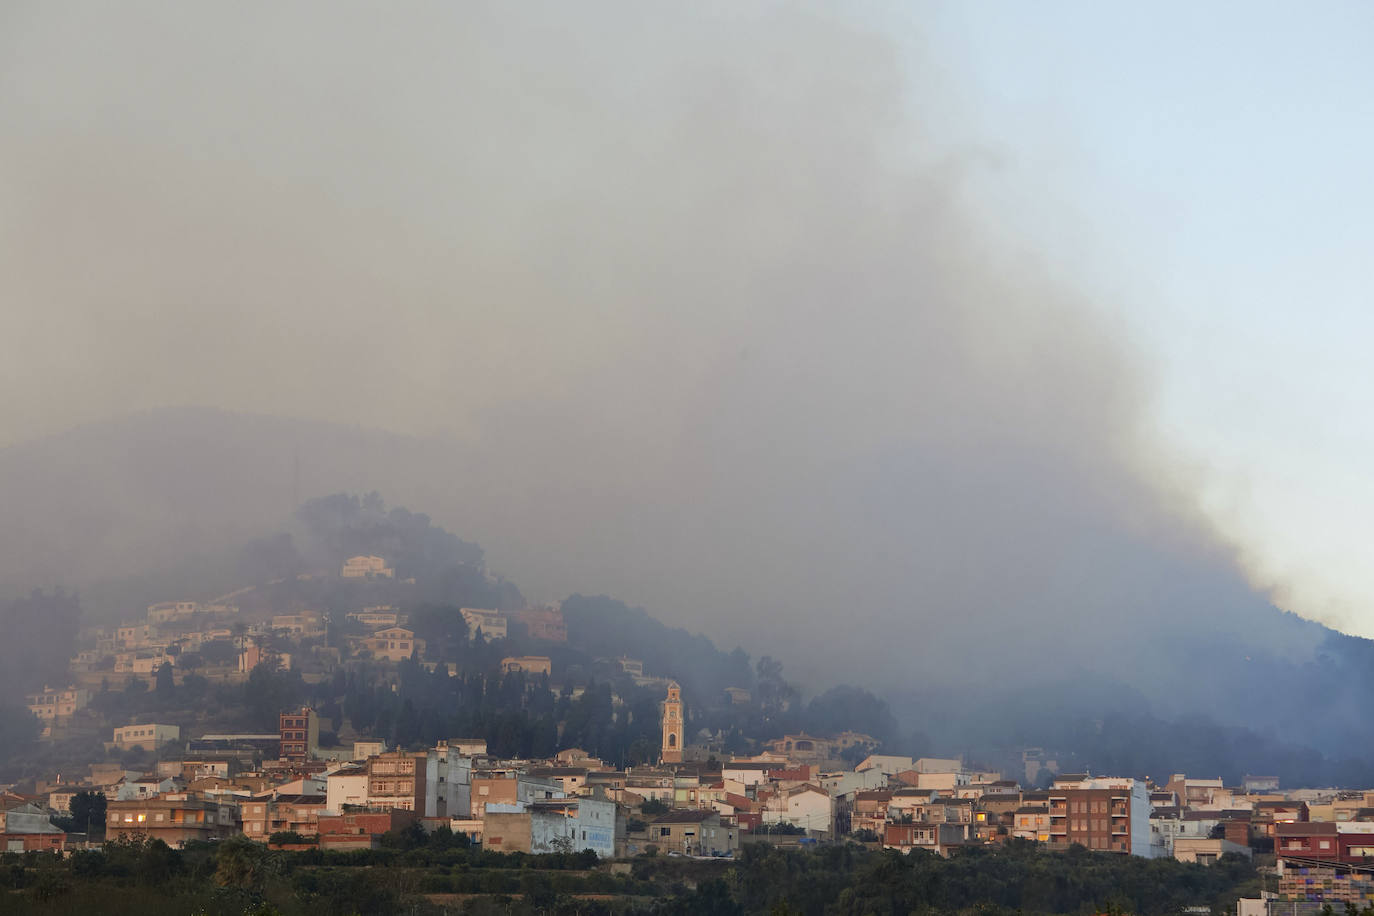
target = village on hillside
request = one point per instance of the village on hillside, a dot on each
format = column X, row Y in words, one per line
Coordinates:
column 315, row 782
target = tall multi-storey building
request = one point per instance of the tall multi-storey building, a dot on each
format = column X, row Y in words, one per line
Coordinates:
column 397, row 780
column 1100, row 812
column 300, row 734
column 448, row 782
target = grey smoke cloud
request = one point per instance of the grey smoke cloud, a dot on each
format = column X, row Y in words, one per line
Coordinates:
column 690, row 288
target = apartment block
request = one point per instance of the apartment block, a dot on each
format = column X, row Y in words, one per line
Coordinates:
column 174, row 819
column 397, row 780
column 300, row 734
column 1103, row 813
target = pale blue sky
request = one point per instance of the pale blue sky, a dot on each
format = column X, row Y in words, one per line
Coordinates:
column 1206, row 172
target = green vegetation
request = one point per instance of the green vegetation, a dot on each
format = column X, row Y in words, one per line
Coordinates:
column 442, row 874
column 86, row 815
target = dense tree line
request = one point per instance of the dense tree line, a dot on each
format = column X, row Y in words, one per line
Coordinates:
column 238, row 876
column 1022, row 877
column 518, row 715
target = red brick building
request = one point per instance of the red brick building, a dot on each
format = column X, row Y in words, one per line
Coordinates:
column 24, row 827
column 1105, row 813
column 1325, row 842
column 300, row 734
column 361, row 829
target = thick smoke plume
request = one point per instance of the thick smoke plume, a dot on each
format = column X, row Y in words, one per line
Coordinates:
column 680, row 300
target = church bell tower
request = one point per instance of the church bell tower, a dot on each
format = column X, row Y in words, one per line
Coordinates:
column 672, row 725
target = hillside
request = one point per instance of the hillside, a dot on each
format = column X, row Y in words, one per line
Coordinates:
column 161, row 505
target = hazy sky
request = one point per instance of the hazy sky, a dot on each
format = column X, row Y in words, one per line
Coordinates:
column 933, row 294
column 1203, row 169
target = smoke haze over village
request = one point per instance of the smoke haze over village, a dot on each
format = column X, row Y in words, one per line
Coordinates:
column 722, row 457
column 683, row 304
